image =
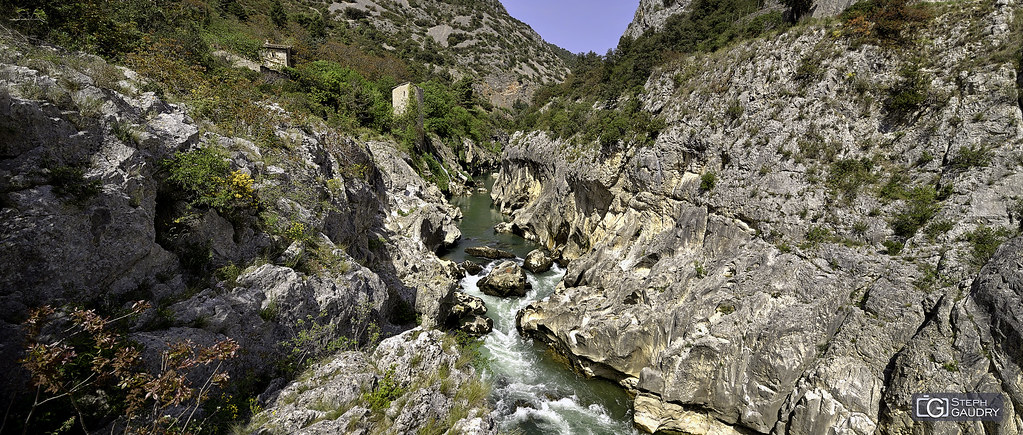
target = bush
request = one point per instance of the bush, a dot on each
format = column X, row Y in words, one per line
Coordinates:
column 893, row 247
column 847, row 176
column 920, row 207
column 342, row 92
column 969, row 157
column 77, row 355
column 908, row 95
column 70, row 182
column 386, row 391
column 984, row 241
column 707, row 181
column 206, row 176
column 885, row 22
column 99, row 26
column 816, row 235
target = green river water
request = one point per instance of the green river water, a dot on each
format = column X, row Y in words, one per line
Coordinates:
column 532, row 392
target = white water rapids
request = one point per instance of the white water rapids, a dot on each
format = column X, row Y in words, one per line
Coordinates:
column 532, row 392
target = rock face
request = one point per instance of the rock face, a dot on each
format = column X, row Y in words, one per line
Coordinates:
column 538, row 261
column 420, row 369
column 507, row 279
column 652, row 15
column 774, row 298
column 467, row 313
column 488, row 252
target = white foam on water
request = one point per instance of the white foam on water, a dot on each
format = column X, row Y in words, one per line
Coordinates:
column 526, row 395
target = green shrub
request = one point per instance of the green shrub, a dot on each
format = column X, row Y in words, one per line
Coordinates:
column 930, row 279
column 938, row 228
column 708, row 181
column 895, row 188
column 893, row 247
column 969, row 157
column 984, row 241
column 735, row 110
column 847, row 176
column 908, row 95
column 437, row 174
column 343, row 93
column 816, row 235
column 70, row 182
column 206, row 176
column 920, row 207
column 387, row 390
column 229, row 275
column 277, row 14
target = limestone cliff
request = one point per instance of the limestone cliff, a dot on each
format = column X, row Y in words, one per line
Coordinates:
column 797, row 252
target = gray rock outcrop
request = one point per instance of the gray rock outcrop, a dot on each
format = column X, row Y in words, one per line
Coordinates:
column 507, row 279
column 418, row 376
column 340, row 246
column 651, row 15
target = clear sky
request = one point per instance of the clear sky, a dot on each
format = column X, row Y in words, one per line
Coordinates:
column 576, row 25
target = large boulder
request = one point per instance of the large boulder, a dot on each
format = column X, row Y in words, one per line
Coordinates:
column 488, row 253
column 467, row 313
column 537, row 261
column 471, row 267
column 506, row 280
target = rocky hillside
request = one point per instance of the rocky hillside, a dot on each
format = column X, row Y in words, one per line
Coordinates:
column 812, row 237
column 474, row 38
column 291, row 246
column 653, row 15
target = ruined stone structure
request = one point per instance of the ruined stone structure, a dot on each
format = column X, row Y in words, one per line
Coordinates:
column 276, row 57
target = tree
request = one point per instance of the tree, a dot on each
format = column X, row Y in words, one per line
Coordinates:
column 278, row 15
column 797, row 8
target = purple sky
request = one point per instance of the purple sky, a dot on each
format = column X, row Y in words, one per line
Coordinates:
column 576, row 25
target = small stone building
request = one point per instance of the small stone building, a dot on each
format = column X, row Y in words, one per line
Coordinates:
column 403, row 94
column 276, row 57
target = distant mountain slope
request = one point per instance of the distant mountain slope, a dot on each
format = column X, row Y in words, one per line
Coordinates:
column 475, row 38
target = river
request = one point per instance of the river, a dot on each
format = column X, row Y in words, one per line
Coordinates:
column 532, row 392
